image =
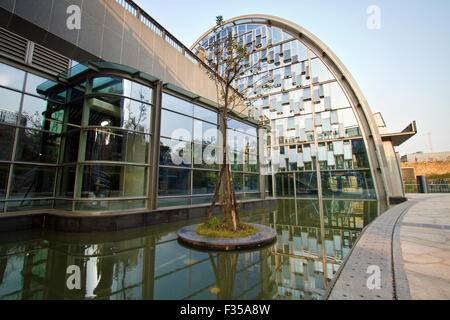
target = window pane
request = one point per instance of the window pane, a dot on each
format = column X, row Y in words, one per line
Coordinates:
column 206, row 156
column 124, row 87
column 251, row 163
column 173, row 202
column 251, row 183
column 284, row 185
column 205, row 133
column 205, row 114
column 28, row 205
column 41, row 114
column 4, row 172
column 114, row 145
column 75, row 111
column 108, row 85
column 100, row 181
column 141, row 92
column 70, row 145
column 115, row 205
column 63, row 205
column 238, row 182
column 36, row 84
column 32, row 182
column 205, row 182
column 202, row 200
column 11, row 77
column 240, row 126
column 178, row 105
column 360, row 154
column 176, row 126
column 66, row 177
column 9, row 106
column 306, row 183
column 237, row 160
column 174, row 182
column 175, row 153
column 119, row 112
column 37, row 146
column 349, row 183
column 7, row 135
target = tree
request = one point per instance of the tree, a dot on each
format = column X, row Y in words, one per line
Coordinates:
column 227, row 63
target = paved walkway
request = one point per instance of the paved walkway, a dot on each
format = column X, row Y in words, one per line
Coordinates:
column 407, row 249
column 425, row 241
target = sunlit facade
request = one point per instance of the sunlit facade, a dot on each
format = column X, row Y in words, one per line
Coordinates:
column 134, row 131
column 316, row 146
column 137, row 132
column 86, row 143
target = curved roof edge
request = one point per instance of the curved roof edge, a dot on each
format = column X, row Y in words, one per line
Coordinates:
column 359, row 103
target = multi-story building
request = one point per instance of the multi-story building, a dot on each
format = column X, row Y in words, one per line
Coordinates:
column 102, row 135
column 325, row 141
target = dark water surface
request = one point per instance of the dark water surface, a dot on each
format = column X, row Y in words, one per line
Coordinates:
column 148, row 263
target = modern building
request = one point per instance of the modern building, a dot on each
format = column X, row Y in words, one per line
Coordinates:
column 325, row 140
column 123, row 129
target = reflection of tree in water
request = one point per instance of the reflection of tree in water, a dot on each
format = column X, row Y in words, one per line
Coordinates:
column 225, row 267
column 225, row 272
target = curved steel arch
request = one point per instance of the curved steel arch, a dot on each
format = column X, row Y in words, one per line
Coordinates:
column 360, row 106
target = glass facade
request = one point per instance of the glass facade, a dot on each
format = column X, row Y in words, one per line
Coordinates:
column 315, row 134
column 86, row 144
column 79, row 146
column 189, row 165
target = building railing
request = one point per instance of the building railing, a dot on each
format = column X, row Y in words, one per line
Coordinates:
column 431, row 188
column 146, row 19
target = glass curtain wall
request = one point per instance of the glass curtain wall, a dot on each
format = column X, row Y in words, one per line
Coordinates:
column 314, row 127
column 30, row 139
column 111, row 170
column 83, row 146
column 189, row 164
column 86, row 145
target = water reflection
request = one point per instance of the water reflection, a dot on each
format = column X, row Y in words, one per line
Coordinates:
column 148, row 263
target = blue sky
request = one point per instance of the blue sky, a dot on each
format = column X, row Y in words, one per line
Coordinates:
column 403, row 68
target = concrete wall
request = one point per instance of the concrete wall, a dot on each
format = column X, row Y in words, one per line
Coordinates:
column 395, row 182
column 108, row 32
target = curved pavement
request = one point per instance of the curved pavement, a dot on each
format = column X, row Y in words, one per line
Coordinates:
column 405, row 251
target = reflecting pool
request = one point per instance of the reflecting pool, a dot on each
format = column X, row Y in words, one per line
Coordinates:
column 148, row 263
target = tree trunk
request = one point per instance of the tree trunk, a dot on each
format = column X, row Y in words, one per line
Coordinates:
column 226, row 180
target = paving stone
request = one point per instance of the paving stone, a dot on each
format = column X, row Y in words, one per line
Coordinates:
column 416, row 234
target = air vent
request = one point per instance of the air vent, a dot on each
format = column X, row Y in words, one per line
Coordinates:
column 49, row 60
column 12, row 46
column 15, row 47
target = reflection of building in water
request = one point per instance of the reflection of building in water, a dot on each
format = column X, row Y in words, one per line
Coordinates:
column 306, row 256
column 150, row 263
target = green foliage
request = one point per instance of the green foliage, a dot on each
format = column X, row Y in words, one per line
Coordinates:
column 213, row 223
column 215, row 228
column 439, row 176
